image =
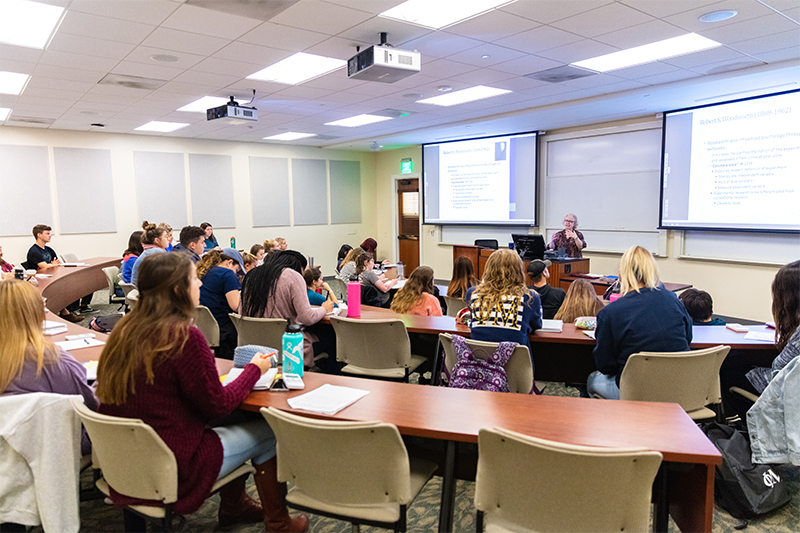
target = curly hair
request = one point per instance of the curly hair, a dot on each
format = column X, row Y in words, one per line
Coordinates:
column 421, row 280
column 503, row 276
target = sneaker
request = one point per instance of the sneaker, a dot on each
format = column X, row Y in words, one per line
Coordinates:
column 71, row 317
column 86, row 310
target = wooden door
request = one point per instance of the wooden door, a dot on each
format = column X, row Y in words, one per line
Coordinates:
column 408, row 223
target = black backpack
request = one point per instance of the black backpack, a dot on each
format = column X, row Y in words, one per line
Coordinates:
column 742, row 488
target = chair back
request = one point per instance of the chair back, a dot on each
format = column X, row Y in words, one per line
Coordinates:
column 487, row 243
column 70, row 258
column 519, row 368
column 207, row 325
column 690, row 379
column 261, row 331
column 127, row 287
column 339, row 289
column 111, row 276
column 134, row 459
column 534, row 484
column 454, row 305
column 361, row 463
column 372, row 344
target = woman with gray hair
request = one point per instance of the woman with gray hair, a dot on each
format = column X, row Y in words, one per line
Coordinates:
column 569, row 238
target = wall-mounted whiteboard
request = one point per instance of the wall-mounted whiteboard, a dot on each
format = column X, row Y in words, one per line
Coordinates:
column 468, row 234
column 345, row 192
column 85, row 190
column 269, row 191
column 770, row 248
column 161, row 187
column 211, row 179
column 310, row 191
column 24, row 174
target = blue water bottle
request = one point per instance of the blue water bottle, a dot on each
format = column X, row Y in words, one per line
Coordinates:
column 293, row 350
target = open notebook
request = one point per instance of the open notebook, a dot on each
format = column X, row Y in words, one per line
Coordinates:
column 261, row 384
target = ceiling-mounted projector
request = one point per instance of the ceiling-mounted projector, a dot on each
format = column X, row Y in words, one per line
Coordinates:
column 232, row 111
column 384, row 63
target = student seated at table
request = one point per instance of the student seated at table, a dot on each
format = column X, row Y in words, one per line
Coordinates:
column 258, row 251
column 270, row 244
column 277, row 290
column 463, row 278
column 249, row 261
column 370, row 245
column 210, row 242
column 501, row 307
column 314, row 283
column 581, row 300
column 6, row 267
column 365, row 265
column 347, row 270
column 29, row 362
column 647, row 317
column 343, row 251
column 281, row 244
column 166, row 227
column 154, row 241
column 220, row 293
column 130, row 255
column 417, row 295
column 158, row 368
column 191, row 242
column 786, row 314
column 700, row 307
column 552, row 297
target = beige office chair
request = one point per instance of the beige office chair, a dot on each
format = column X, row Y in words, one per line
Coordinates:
column 131, row 293
column 354, row 471
column 525, row 483
column 454, row 305
column 690, row 379
column 207, row 324
column 111, row 276
column 70, row 258
column 262, row 331
column 519, row 368
column 374, row 348
column 137, row 463
column 339, row 289
column 745, row 394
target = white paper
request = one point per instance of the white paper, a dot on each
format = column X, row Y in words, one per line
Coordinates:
column 43, row 276
column 53, row 328
column 555, row 326
column 400, row 284
column 79, row 343
column 327, row 399
column 589, row 333
column 262, row 384
column 760, row 336
column 91, row 370
column 74, row 264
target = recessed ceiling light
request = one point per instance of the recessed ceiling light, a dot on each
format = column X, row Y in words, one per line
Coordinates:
column 717, row 16
column 164, row 58
column 647, row 53
column 289, row 136
column 28, row 24
column 298, row 68
column 479, row 92
column 4, row 112
column 201, row 105
column 485, row 56
column 444, row 88
column 358, row 120
column 161, row 127
column 437, row 15
column 12, row 82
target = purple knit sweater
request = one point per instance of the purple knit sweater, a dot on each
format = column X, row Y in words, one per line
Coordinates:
column 185, row 395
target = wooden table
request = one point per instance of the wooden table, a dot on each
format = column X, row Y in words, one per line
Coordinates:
column 455, row 415
column 600, row 285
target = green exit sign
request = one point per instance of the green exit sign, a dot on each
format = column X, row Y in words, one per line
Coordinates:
column 406, row 166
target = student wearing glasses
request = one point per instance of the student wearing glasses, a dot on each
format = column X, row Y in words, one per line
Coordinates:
column 569, row 238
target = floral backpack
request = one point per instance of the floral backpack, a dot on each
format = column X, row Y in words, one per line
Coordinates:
column 472, row 373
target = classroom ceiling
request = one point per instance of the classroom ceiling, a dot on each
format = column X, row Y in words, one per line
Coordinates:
column 191, row 48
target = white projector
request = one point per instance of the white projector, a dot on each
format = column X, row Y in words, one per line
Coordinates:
column 383, row 63
column 235, row 114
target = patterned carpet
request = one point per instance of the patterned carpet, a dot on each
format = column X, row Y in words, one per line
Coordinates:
column 96, row 516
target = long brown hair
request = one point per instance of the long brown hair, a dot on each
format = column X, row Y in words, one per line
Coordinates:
column 211, row 259
column 151, row 232
column 786, row 302
column 361, row 262
column 21, row 326
column 463, row 278
column 581, row 300
column 157, row 328
column 503, row 276
column 351, row 255
column 421, row 280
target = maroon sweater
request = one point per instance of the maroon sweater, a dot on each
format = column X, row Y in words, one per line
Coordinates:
column 185, row 395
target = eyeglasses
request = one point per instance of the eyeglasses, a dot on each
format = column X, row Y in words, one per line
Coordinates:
column 569, row 220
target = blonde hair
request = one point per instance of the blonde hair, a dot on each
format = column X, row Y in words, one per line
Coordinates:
column 248, row 259
column 421, row 280
column 279, row 240
column 21, row 316
column 503, row 276
column 211, row 259
column 581, row 300
column 637, row 266
column 166, row 227
column 351, row 255
column 270, row 244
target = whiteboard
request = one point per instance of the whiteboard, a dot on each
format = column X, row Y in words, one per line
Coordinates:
column 771, row 248
column 85, row 190
column 23, row 172
column 161, row 187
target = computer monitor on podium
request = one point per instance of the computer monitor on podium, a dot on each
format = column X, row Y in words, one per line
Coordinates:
column 529, row 246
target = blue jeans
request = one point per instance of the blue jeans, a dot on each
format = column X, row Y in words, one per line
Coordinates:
column 241, row 442
column 600, row 385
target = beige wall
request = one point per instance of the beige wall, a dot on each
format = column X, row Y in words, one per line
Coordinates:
column 320, row 241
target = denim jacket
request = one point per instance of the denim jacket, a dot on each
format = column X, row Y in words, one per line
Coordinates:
column 774, row 420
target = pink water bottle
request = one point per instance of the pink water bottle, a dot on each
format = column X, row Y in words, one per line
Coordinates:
column 353, row 299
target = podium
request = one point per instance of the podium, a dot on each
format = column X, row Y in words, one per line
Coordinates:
column 477, row 254
column 559, row 268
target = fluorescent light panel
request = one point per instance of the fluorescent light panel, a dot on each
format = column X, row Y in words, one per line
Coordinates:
column 161, row 127
column 298, row 68
column 437, row 14
column 12, row 82
column 479, row 92
column 28, row 24
column 289, row 136
column 358, row 120
column 4, row 112
column 201, row 105
column 647, row 53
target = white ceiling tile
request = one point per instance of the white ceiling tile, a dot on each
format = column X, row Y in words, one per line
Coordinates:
column 228, row 67
column 768, row 43
column 577, row 51
column 89, row 46
column 776, row 56
column 604, row 19
column 538, row 39
column 48, row 92
column 59, row 84
column 71, row 60
column 484, row 76
column 206, row 79
column 668, row 77
column 648, row 69
column 303, row 92
column 245, row 86
column 103, row 108
column 114, row 94
column 283, row 37
column 519, row 83
column 444, row 68
column 368, row 6
column 19, row 53
column 497, row 54
column 334, row 81
column 527, row 65
column 547, row 11
column 65, row 73
column 398, row 32
column 143, row 54
column 181, row 41
column 747, row 9
column 491, row 26
column 20, row 67
column 336, row 47
column 597, row 80
column 183, row 88
column 344, row 97
column 649, row 32
column 144, row 70
column 440, row 44
column 314, row 15
column 145, row 11
column 727, row 66
column 750, row 29
column 251, row 53
column 721, row 53
column 621, row 86
column 106, row 28
column 207, row 22
column 661, row 8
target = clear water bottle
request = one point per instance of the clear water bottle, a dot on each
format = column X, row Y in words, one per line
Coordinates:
column 293, row 350
column 401, row 270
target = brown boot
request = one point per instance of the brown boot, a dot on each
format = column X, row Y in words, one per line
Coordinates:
column 273, row 499
column 236, row 507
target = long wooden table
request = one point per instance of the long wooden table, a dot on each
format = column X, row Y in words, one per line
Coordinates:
column 453, row 415
column 600, row 285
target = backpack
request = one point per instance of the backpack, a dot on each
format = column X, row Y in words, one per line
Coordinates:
column 476, row 374
column 742, row 488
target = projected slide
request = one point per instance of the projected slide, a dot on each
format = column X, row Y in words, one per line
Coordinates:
column 481, row 181
column 733, row 165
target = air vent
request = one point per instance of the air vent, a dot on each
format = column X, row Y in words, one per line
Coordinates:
column 394, row 113
column 132, row 82
column 31, row 120
column 559, row 74
column 252, row 9
column 324, row 137
column 733, row 66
